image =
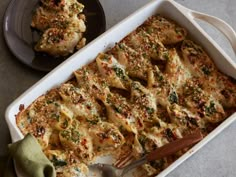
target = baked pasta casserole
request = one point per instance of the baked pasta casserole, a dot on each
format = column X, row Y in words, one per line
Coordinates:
column 153, row 87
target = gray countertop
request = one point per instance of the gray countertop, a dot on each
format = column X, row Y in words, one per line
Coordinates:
column 216, row 159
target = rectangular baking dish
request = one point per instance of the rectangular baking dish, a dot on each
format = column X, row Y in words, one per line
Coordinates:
column 170, row 9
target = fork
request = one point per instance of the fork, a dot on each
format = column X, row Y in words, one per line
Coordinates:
column 107, row 170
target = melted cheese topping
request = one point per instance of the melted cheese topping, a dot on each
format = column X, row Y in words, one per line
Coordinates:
column 153, row 87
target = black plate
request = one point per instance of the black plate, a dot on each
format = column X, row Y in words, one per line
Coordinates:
column 21, row 39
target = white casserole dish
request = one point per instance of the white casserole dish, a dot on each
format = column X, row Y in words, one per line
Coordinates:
column 168, row 8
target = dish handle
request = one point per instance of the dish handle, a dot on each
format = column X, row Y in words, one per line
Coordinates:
column 221, row 25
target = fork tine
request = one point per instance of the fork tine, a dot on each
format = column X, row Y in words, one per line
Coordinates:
column 124, row 160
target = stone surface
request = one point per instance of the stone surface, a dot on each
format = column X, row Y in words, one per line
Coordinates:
column 216, row 159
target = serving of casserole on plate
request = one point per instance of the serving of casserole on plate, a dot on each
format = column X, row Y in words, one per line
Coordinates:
column 23, row 17
column 148, row 85
column 61, row 25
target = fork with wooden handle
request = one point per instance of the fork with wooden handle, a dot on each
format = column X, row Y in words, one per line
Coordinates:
column 106, row 170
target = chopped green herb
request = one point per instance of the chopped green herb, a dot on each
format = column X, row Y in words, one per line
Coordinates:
column 206, row 70
column 22, row 125
column 56, row 104
column 166, row 55
column 149, row 30
column 93, row 122
column 150, row 110
column 104, row 84
column 49, row 101
column 121, row 46
column 65, row 124
column 210, row 109
column 145, row 55
column 56, row 116
column 65, row 134
column 173, row 97
column 160, row 78
column 106, row 57
column 169, row 134
column 108, row 100
column 75, row 136
column 77, row 169
column 142, row 140
column 119, row 72
column 118, row 109
column 115, row 137
column 136, row 86
column 29, row 119
column 58, row 162
column 121, row 128
column 192, row 121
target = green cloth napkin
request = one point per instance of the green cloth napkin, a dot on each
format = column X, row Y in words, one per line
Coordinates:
column 30, row 158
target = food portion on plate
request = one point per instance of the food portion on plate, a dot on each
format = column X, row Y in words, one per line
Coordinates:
column 61, row 24
column 154, row 86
